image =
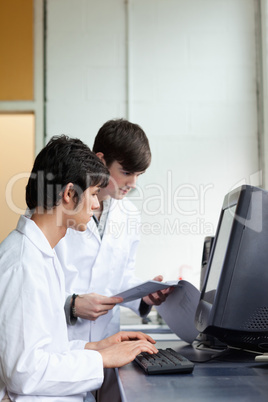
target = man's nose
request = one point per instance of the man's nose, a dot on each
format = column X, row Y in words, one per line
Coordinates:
column 95, row 203
column 132, row 181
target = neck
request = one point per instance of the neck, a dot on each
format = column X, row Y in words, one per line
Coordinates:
column 102, row 195
column 47, row 221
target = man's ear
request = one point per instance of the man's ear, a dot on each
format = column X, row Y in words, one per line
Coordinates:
column 68, row 193
column 100, row 155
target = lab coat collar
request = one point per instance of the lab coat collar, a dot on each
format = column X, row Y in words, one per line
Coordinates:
column 92, row 226
column 29, row 228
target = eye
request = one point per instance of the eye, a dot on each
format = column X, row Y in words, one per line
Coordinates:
column 125, row 173
column 96, row 192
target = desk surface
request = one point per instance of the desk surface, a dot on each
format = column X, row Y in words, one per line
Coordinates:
column 234, row 376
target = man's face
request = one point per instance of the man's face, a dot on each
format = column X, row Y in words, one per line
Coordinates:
column 84, row 210
column 121, row 181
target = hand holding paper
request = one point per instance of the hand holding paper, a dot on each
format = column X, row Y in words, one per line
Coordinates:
column 157, row 298
column 144, row 289
column 178, row 311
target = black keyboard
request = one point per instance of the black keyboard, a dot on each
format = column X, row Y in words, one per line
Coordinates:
column 166, row 361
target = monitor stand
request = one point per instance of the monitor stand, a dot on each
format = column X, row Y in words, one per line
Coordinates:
column 207, row 347
column 205, row 341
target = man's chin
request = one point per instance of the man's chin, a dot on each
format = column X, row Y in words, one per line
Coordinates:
column 82, row 228
column 119, row 196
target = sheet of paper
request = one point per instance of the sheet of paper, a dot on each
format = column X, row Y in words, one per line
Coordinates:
column 178, row 311
column 144, row 289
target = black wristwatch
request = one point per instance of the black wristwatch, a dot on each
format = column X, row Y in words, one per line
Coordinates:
column 72, row 307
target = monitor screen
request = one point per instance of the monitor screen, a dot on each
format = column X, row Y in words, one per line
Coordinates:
column 219, row 253
column 233, row 305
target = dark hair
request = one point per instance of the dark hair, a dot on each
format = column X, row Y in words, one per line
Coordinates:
column 63, row 160
column 124, row 142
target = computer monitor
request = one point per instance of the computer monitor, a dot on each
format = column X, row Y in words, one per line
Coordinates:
column 233, row 304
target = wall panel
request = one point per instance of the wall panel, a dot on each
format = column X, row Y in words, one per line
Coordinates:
column 16, row 160
column 16, row 50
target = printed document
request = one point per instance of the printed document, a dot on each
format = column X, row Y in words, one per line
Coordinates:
column 178, row 311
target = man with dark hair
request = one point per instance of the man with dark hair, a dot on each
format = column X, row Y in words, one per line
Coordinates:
column 38, row 362
column 100, row 262
column 124, row 142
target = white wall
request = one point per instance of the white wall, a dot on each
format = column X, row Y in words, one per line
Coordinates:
column 185, row 70
column 264, row 88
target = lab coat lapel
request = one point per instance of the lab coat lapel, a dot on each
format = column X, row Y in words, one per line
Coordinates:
column 114, row 220
column 105, row 253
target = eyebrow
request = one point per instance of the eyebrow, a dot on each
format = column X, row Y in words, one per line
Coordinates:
column 131, row 172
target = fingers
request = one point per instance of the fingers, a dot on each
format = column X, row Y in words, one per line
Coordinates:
column 123, row 353
column 97, row 314
column 113, row 300
column 158, row 278
column 161, row 296
column 143, row 346
column 92, row 305
column 157, row 298
column 155, row 301
column 105, row 304
column 131, row 335
column 168, row 291
column 142, row 336
column 100, row 299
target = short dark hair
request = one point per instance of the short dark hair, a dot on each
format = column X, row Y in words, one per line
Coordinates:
column 63, row 160
column 125, row 142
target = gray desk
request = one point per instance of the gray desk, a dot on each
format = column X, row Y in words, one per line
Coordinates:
column 231, row 377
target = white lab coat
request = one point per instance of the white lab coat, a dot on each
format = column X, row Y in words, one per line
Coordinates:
column 102, row 266
column 38, row 363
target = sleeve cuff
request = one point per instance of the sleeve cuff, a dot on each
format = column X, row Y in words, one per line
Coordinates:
column 144, row 309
